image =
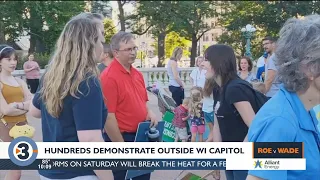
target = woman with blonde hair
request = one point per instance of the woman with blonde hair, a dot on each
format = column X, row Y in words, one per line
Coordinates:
column 176, row 86
column 198, row 74
column 14, row 100
column 69, row 99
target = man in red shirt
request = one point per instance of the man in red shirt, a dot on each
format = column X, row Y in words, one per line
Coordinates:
column 125, row 95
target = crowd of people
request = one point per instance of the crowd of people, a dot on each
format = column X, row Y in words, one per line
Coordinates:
column 79, row 101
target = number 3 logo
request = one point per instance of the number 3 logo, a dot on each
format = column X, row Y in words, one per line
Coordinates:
column 24, row 154
column 23, row 151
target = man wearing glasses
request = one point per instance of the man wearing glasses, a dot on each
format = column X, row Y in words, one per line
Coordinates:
column 125, row 95
column 271, row 81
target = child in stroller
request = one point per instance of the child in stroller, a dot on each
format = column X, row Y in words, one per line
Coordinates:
column 165, row 102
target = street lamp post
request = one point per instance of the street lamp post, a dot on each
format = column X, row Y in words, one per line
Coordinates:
column 142, row 47
column 248, row 32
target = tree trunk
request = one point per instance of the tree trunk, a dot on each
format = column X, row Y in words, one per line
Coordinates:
column 35, row 29
column 193, row 50
column 161, row 48
column 121, row 16
column 2, row 35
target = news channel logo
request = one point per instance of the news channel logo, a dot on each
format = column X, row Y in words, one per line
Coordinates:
column 23, row 151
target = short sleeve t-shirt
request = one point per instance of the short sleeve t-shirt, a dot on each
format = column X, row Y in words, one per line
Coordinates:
column 285, row 119
column 88, row 112
column 232, row 126
column 275, row 84
column 33, row 74
column 199, row 77
column 179, row 113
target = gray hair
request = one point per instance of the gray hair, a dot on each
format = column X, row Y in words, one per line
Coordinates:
column 121, row 36
column 89, row 16
column 107, row 50
column 298, row 52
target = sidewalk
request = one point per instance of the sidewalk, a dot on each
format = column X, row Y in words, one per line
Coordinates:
column 156, row 175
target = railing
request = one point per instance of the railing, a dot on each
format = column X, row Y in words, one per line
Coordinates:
column 153, row 75
column 150, row 75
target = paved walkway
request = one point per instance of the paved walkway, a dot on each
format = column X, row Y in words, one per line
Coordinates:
column 156, row 175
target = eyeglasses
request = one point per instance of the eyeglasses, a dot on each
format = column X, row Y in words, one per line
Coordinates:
column 129, row 49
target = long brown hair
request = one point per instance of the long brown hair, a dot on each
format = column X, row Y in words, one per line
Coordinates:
column 223, row 61
column 208, row 87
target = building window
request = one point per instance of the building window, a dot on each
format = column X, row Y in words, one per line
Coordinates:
column 213, row 24
column 205, row 38
column 214, row 36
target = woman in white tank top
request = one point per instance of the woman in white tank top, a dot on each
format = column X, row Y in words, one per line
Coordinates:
column 176, row 86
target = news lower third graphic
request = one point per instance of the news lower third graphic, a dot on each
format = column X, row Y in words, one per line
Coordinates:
column 23, row 151
column 25, row 154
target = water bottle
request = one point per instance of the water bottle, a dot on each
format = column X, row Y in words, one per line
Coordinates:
column 153, row 135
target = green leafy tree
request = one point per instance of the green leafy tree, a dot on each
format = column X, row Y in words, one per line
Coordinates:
column 172, row 41
column 154, row 16
column 10, row 20
column 204, row 48
column 266, row 16
column 42, row 20
column 189, row 20
column 109, row 29
column 102, row 7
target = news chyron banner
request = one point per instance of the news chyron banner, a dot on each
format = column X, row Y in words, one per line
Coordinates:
column 25, row 154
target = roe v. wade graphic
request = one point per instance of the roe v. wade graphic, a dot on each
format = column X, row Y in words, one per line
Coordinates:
column 25, row 154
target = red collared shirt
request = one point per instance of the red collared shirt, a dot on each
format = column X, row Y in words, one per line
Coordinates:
column 125, row 95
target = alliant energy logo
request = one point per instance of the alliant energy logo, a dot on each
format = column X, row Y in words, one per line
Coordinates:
column 268, row 164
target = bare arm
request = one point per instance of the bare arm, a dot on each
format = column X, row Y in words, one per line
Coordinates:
column 95, row 136
column 27, row 94
column 216, row 131
column 29, row 69
column 175, row 73
column 246, row 112
column 8, row 109
column 112, row 128
column 152, row 117
column 250, row 177
column 34, row 112
column 270, row 79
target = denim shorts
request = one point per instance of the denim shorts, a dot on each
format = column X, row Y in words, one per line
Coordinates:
column 208, row 117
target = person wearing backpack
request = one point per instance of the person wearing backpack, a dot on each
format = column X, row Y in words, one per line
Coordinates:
column 235, row 102
column 292, row 115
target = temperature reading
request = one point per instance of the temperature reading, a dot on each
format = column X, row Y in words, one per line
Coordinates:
column 45, row 161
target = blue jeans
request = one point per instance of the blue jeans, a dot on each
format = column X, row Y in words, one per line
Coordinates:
column 121, row 174
column 177, row 94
